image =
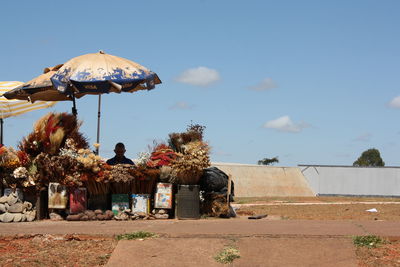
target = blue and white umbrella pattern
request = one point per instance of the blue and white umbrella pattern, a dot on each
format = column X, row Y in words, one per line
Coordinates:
column 100, row 73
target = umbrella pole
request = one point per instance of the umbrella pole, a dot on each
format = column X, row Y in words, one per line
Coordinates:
column 74, row 110
column 1, row 138
column 98, row 125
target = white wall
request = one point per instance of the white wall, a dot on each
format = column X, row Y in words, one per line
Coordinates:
column 343, row 180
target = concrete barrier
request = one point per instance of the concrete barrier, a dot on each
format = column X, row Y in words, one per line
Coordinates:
column 261, row 181
column 353, row 181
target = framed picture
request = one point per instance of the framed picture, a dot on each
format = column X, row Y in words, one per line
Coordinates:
column 58, row 198
column 77, row 200
column 163, row 196
column 140, row 203
column 119, row 202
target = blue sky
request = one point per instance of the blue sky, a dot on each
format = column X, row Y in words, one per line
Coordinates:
column 312, row 82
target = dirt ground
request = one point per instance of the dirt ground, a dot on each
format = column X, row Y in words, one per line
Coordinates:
column 320, row 199
column 55, row 250
column 385, row 255
column 322, row 208
column 97, row 249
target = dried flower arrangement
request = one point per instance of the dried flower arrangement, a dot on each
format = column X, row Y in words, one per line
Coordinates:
column 191, row 162
column 162, row 155
column 13, row 172
column 50, row 133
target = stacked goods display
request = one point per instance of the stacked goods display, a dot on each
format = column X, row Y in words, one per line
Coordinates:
column 80, row 185
column 192, row 158
column 13, row 209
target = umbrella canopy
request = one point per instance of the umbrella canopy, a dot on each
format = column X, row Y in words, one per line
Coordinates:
column 39, row 88
column 100, row 73
column 9, row 108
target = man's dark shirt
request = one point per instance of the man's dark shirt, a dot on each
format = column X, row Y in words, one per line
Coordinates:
column 115, row 161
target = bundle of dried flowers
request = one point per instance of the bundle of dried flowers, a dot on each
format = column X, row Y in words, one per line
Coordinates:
column 189, row 164
column 121, row 173
column 50, row 133
column 60, row 169
column 177, row 140
column 9, row 161
column 162, row 155
column 143, row 158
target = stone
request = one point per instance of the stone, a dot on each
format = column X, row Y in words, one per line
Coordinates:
column 75, row 217
column 6, row 205
column 3, row 199
column 98, row 212
column 2, row 208
column 122, row 217
column 23, row 219
column 30, row 215
column 16, row 208
column 27, row 205
column 100, row 217
column 161, row 211
column 91, row 215
column 8, row 217
column 109, row 213
column 127, row 210
column 55, row 217
column 161, row 216
column 17, row 217
column 84, row 218
column 12, row 199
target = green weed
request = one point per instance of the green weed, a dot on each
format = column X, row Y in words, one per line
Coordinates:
column 227, row 255
column 370, row 241
column 135, row 235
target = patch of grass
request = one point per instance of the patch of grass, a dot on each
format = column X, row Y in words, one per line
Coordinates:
column 227, row 255
column 135, row 235
column 369, row 241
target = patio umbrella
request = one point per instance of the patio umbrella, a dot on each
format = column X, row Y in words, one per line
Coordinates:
column 40, row 88
column 9, row 108
column 100, row 73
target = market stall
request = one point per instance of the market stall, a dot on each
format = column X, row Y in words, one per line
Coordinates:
column 66, row 180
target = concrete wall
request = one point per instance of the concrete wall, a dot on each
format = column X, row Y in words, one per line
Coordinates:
column 343, row 180
column 260, row 181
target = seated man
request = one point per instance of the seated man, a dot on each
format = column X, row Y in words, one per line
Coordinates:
column 119, row 156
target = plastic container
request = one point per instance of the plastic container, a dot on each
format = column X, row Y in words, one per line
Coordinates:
column 188, row 202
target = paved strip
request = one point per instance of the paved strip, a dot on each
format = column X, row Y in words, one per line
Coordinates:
column 209, row 227
column 254, row 251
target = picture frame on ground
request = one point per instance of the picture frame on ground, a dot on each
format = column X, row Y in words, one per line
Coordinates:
column 58, row 197
column 78, row 200
column 140, row 203
column 119, row 202
column 163, row 196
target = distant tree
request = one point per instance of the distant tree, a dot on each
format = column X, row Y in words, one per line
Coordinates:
column 370, row 157
column 268, row 161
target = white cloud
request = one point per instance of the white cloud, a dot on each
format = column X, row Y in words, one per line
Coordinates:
column 266, row 84
column 200, row 76
column 181, row 105
column 365, row 137
column 285, row 124
column 395, row 103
